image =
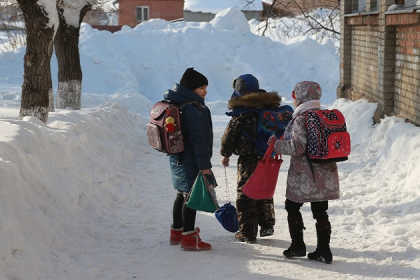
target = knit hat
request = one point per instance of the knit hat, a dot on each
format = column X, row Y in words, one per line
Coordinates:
column 305, row 91
column 244, row 84
column 192, row 79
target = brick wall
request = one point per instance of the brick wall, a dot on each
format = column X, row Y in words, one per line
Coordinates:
column 379, row 59
column 164, row 9
column 364, row 60
column 407, row 103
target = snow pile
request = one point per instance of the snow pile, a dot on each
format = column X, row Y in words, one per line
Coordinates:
column 146, row 60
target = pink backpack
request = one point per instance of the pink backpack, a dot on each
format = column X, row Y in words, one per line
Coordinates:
column 164, row 129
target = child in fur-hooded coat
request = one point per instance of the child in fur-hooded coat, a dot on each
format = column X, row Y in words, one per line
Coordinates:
column 251, row 213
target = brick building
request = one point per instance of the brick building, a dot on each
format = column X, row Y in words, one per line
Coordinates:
column 379, row 55
column 133, row 12
column 205, row 11
column 298, row 7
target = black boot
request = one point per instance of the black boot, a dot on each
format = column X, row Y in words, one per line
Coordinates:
column 298, row 247
column 323, row 251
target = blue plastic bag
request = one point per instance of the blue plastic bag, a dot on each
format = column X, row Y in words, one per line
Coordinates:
column 228, row 217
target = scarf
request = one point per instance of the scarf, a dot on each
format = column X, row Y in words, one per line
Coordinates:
column 308, row 105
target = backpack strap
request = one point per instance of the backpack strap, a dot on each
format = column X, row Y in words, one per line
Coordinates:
column 241, row 111
column 181, row 107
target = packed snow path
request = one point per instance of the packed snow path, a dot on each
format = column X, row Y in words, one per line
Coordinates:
column 133, row 242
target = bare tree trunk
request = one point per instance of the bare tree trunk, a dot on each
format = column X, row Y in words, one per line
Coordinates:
column 66, row 44
column 37, row 84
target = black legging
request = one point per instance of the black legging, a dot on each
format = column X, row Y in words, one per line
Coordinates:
column 319, row 210
column 182, row 215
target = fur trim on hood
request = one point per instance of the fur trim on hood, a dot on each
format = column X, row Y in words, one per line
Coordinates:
column 257, row 99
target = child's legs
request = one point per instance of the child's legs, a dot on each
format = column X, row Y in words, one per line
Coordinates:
column 177, row 211
column 296, row 227
column 293, row 209
column 246, row 207
column 323, row 232
column 319, row 211
column 182, row 215
column 265, row 213
column 247, row 215
column 188, row 218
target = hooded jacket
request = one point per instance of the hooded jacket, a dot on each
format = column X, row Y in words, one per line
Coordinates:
column 197, row 129
column 233, row 139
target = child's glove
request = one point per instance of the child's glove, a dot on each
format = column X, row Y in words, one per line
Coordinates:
column 225, row 161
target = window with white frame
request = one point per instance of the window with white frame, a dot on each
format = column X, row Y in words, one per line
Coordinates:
column 142, row 14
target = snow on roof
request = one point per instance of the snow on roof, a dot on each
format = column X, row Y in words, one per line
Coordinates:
column 215, row 6
column 110, row 5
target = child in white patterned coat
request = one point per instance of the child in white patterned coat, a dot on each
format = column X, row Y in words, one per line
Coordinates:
column 317, row 185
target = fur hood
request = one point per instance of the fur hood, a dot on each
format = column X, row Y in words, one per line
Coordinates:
column 257, row 99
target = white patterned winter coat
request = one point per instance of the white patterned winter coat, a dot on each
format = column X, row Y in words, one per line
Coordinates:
column 303, row 185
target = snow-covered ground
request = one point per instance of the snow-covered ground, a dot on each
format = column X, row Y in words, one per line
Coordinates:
column 85, row 197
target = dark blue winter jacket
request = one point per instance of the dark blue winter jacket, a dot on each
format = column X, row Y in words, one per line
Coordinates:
column 197, row 128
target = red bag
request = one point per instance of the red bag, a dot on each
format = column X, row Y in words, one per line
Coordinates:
column 262, row 183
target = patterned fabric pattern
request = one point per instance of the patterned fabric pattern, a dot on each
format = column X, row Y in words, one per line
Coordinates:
column 315, row 128
column 306, row 90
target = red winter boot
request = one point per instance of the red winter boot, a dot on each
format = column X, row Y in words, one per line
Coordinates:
column 176, row 236
column 191, row 241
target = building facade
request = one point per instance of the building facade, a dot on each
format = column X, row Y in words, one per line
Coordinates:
column 379, row 55
column 133, row 12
